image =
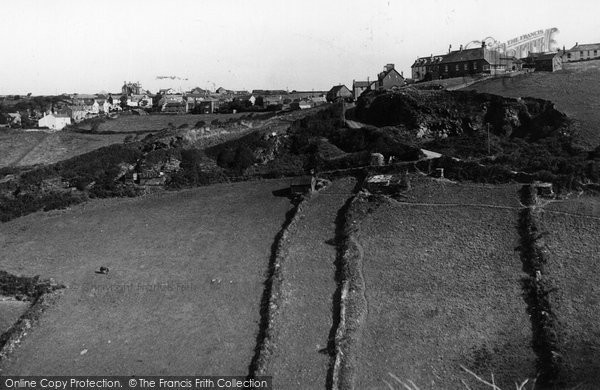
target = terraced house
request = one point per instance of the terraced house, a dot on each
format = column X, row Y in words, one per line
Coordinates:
column 583, row 52
column 462, row 62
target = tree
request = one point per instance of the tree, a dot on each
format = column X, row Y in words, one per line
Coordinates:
column 123, row 101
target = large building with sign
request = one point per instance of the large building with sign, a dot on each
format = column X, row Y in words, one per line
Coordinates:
column 462, row 62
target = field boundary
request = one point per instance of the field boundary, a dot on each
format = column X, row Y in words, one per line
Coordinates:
column 272, row 292
column 353, row 302
column 537, row 288
column 42, row 294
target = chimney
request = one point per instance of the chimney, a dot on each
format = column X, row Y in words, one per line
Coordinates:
column 388, row 67
column 450, row 48
column 460, row 49
column 483, row 44
column 576, row 43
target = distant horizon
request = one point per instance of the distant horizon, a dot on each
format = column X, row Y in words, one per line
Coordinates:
column 62, row 47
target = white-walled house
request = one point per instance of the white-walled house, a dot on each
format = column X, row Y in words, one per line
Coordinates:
column 54, row 121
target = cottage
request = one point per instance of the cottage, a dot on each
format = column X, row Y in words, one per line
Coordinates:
column 390, row 78
column 358, row 87
column 339, row 92
column 548, row 62
column 583, row 52
column 55, row 121
column 167, row 91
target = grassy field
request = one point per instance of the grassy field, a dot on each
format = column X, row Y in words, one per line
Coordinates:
column 132, row 123
column 442, row 283
column 576, row 92
column 18, row 148
column 572, row 244
column 184, row 289
column 10, row 311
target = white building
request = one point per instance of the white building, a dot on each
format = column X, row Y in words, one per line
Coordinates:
column 54, row 121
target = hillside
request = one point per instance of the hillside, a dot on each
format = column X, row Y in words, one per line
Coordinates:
column 18, row 148
column 576, row 92
column 184, row 290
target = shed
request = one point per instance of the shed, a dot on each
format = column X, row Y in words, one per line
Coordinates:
column 302, row 185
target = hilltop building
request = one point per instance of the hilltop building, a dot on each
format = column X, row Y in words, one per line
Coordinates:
column 390, row 78
column 547, row 62
column 588, row 51
column 461, row 63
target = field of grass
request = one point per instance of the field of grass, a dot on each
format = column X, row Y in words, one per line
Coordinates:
column 576, row 92
column 442, row 286
column 571, row 244
column 18, row 148
column 184, row 289
column 10, row 311
column 135, row 123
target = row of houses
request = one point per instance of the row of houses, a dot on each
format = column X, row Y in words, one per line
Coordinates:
column 482, row 60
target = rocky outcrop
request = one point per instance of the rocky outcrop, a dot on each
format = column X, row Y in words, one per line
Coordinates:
column 441, row 114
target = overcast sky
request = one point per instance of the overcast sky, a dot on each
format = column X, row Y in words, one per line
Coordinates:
column 66, row 46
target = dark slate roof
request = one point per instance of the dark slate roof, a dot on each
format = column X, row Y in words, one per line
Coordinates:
column 423, row 61
column 382, row 75
column 337, row 88
column 361, row 84
column 586, row 46
column 301, row 181
column 543, row 56
column 464, row 55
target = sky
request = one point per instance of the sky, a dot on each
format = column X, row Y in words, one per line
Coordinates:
column 81, row 46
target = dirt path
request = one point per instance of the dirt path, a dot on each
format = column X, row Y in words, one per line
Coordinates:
column 303, row 325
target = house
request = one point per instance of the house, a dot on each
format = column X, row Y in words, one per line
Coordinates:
column 167, row 91
column 198, row 91
column 144, row 101
column 548, row 62
column 55, row 121
column 174, row 107
column 272, row 100
column 583, row 52
column 207, row 106
column 358, row 87
column 424, row 68
column 338, row 92
column 304, row 104
column 14, row 119
column 470, row 62
column 132, row 88
column 222, row 91
column 390, row 78
column 463, row 62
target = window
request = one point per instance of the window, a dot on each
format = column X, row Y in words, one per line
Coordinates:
column 474, row 65
column 595, row 53
column 568, row 55
column 581, row 53
column 466, row 66
column 446, row 68
column 457, row 69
